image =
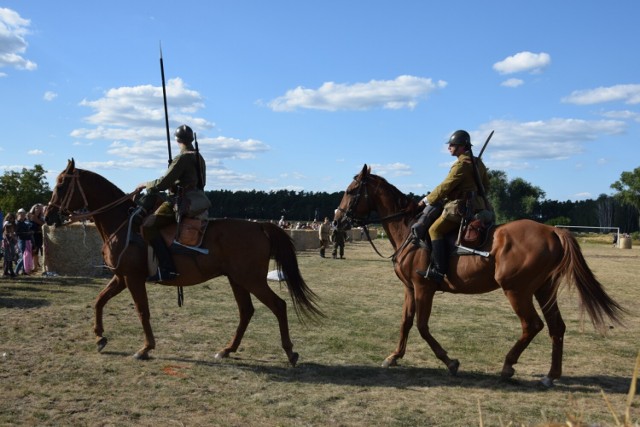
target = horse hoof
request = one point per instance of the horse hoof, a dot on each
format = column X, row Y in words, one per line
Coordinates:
column 453, row 367
column 221, row 355
column 547, row 382
column 294, row 359
column 389, row 362
column 101, row 344
column 141, row 356
column 507, row 372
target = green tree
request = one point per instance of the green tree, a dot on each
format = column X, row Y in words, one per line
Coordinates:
column 515, row 199
column 628, row 189
column 23, row 189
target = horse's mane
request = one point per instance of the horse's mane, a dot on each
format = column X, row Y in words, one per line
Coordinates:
column 101, row 184
column 402, row 199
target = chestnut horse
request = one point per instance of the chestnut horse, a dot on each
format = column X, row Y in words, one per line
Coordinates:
column 238, row 249
column 526, row 259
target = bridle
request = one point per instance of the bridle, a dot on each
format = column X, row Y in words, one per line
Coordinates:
column 65, row 211
column 64, row 205
column 361, row 191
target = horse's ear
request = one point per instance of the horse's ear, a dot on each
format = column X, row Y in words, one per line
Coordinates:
column 71, row 165
column 365, row 170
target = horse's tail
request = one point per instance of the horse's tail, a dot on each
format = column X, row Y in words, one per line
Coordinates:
column 593, row 298
column 284, row 253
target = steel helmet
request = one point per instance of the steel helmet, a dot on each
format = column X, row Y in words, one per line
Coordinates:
column 460, row 137
column 184, row 134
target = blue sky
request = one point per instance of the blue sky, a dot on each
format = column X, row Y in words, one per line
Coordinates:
column 300, row 94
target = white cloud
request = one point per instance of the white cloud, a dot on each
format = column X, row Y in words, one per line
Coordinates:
column 523, row 61
column 35, row 152
column 629, row 93
column 516, row 143
column 391, row 169
column 50, row 96
column 13, row 29
column 512, row 83
column 403, row 92
column 622, row 115
column 130, row 122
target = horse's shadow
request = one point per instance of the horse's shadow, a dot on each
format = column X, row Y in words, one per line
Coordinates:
column 402, row 377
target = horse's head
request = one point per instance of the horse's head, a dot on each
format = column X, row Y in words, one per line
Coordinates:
column 68, row 196
column 355, row 205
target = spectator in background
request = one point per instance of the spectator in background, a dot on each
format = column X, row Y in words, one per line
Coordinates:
column 282, row 222
column 36, row 216
column 324, row 232
column 9, row 244
column 25, row 238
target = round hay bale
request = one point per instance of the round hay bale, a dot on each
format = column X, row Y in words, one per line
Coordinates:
column 73, row 250
column 625, row 243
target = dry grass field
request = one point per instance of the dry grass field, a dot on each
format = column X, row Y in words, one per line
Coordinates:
column 51, row 373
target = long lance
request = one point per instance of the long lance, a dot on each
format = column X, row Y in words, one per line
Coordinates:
column 166, row 111
column 166, row 123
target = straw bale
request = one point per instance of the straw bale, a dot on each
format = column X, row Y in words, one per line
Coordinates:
column 73, row 250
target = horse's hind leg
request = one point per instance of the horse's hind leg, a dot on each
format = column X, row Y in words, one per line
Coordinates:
column 279, row 307
column 246, row 310
column 113, row 288
column 522, row 304
column 546, row 297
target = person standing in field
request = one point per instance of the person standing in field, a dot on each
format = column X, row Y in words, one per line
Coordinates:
column 324, row 233
column 36, row 216
column 338, row 237
column 9, row 244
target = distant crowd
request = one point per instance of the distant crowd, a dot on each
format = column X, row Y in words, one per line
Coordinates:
column 22, row 241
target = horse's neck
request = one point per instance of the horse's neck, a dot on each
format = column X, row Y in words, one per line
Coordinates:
column 397, row 228
column 111, row 220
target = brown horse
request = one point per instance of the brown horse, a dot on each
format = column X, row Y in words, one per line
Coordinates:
column 240, row 250
column 526, row 259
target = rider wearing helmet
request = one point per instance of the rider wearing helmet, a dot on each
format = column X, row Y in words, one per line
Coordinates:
column 185, row 180
column 453, row 193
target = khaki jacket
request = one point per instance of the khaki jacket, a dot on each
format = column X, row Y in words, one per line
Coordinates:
column 324, row 231
column 457, row 186
column 183, row 172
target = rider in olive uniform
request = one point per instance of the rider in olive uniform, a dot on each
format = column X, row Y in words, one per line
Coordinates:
column 453, row 193
column 185, row 179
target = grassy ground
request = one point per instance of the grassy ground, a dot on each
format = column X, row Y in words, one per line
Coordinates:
column 51, row 373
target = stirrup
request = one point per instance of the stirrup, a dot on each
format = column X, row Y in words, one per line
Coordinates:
column 162, row 275
column 432, row 273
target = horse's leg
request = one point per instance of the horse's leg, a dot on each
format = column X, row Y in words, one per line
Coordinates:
column 279, row 307
column 522, row 304
column 113, row 288
column 546, row 297
column 408, row 313
column 246, row 310
column 424, row 303
column 138, row 289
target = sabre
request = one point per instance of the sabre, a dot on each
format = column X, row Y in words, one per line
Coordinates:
column 166, row 112
column 485, row 144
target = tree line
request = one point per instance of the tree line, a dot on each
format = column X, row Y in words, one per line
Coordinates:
column 511, row 200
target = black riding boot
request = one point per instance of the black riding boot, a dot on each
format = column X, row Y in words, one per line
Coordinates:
column 322, row 252
column 166, row 267
column 439, row 262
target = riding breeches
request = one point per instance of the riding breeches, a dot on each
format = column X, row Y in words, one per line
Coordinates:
column 441, row 227
column 152, row 224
